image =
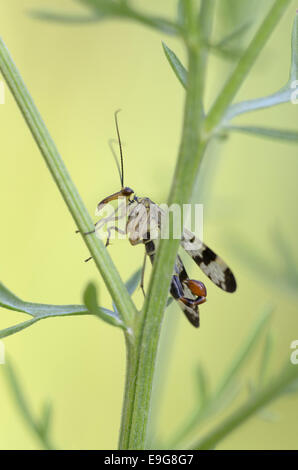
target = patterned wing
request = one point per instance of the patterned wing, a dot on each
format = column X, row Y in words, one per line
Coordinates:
column 211, row 264
column 180, row 290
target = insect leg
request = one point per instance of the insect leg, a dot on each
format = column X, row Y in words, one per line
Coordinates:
column 108, row 239
column 150, row 249
column 102, row 222
column 105, row 220
column 193, row 303
column 86, row 233
column 177, row 291
column 109, row 233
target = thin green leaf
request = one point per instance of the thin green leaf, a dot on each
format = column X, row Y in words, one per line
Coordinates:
column 46, row 418
column 264, row 413
column 245, row 350
column 228, row 387
column 11, row 330
column 181, row 13
column 294, row 55
column 284, row 95
column 220, row 109
column 12, row 302
column 281, row 276
column 278, row 134
column 228, row 53
column 285, row 379
column 65, row 18
column 133, row 281
column 23, row 405
column 18, row 394
column 106, row 6
column 41, row 311
column 280, row 97
column 220, row 401
column 90, row 300
column 124, row 10
column 213, row 405
column 177, row 67
column 265, row 359
column 225, row 47
column 238, row 32
column 232, row 12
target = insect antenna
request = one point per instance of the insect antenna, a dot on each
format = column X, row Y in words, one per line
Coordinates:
column 111, row 142
column 120, row 148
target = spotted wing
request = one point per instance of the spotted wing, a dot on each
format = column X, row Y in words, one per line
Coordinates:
column 211, row 264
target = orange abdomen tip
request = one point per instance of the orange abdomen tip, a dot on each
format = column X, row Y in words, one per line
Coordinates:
column 196, row 287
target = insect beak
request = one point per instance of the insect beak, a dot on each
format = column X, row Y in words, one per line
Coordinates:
column 125, row 192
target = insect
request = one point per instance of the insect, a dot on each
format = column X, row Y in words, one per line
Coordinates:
column 144, row 218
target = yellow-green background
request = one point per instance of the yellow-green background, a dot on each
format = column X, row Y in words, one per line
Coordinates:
column 78, row 76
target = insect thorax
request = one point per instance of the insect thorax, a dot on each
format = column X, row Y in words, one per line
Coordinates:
column 143, row 221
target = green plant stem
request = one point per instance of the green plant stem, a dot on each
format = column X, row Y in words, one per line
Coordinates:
column 257, row 402
column 205, row 23
column 66, row 186
column 134, row 426
column 244, row 65
column 156, row 300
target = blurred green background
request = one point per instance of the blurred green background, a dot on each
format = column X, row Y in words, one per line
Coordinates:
column 78, row 76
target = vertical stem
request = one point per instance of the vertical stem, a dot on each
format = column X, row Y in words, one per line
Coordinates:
column 127, row 407
column 190, row 154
